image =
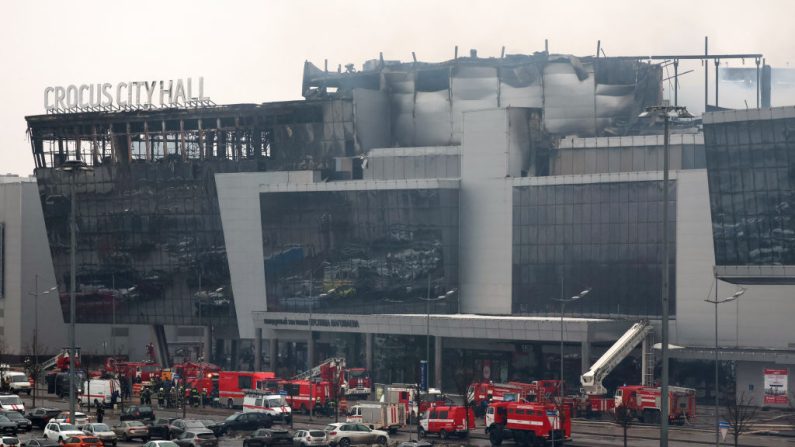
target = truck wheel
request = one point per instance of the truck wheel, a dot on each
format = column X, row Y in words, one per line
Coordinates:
column 421, row 433
column 443, row 434
column 495, row 435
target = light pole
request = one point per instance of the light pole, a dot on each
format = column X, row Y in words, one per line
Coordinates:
column 36, row 294
column 72, row 167
column 428, row 301
column 667, row 112
column 563, row 302
column 717, row 301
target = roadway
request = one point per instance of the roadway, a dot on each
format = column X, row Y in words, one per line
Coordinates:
column 590, row 433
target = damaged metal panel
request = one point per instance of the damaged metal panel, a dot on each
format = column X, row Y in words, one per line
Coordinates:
column 433, row 124
column 472, row 88
column 371, row 118
column 521, row 86
column 568, row 100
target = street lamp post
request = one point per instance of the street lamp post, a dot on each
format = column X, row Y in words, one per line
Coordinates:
column 717, row 301
column 72, row 167
column 667, row 112
column 563, row 302
column 428, row 301
column 35, row 295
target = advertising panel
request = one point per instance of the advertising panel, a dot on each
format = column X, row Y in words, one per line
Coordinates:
column 776, row 386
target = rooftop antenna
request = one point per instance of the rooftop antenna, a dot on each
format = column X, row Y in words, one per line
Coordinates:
column 381, row 58
column 455, row 55
column 325, row 65
column 546, row 46
column 414, row 56
column 502, row 53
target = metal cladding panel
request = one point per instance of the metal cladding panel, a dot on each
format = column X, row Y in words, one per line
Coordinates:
column 569, row 101
column 473, row 88
column 433, row 120
column 529, row 96
column 371, row 118
column 402, row 111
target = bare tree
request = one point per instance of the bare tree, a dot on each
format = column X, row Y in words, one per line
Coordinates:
column 741, row 415
column 622, row 416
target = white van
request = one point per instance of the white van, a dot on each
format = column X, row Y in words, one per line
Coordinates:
column 11, row 402
column 17, row 382
column 274, row 405
column 97, row 390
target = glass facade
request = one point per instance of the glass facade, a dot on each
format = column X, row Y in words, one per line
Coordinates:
column 150, row 247
column 751, row 166
column 361, row 251
column 606, row 236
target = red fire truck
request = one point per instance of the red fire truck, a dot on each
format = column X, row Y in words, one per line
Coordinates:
column 358, row 381
column 480, row 394
column 406, row 394
column 306, row 395
column 529, row 424
column 447, row 420
column 231, row 385
column 644, row 403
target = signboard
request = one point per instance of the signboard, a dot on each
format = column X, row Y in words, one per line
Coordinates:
column 424, row 375
column 776, row 386
column 133, row 95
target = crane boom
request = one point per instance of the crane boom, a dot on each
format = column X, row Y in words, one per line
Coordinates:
column 592, row 380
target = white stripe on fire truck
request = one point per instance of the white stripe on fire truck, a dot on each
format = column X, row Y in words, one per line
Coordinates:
column 523, row 422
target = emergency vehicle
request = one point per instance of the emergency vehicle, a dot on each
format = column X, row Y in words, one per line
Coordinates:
column 306, row 395
column 527, row 423
column 406, row 394
column 274, row 405
column 644, row 403
column 232, row 385
column 378, row 415
column 479, row 394
column 447, row 420
column 358, row 381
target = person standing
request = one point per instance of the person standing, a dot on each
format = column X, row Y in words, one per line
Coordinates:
column 100, row 411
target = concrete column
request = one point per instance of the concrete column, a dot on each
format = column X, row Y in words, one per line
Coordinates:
column 368, row 353
column 208, row 345
column 310, row 351
column 437, row 362
column 233, row 353
column 585, row 356
column 258, row 349
column 273, row 352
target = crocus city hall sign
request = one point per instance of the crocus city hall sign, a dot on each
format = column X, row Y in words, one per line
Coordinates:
column 126, row 95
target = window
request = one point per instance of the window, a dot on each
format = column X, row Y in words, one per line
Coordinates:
column 443, row 414
column 244, row 382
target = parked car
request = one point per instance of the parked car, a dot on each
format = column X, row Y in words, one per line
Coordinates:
column 82, row 441
column 23, row 423
column 344, row 434
column 7, row 425
column 413, row 443
column 160, row 428
column 127, row 430
column 11, row 402
column 101, row 431
column 161, row 443
column 80, row 419
column 18, row 382
column 197, row 438
column 9, row 441
column 43, row 442
column 180, row 426
column 40, row 416
column 59, row 431
column 247, row 422
column 308, row 438
column 137, row 413
column 216, row 427
column 266, row 437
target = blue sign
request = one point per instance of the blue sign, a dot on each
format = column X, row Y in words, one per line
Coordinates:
column 282, row 392
column 424, row 375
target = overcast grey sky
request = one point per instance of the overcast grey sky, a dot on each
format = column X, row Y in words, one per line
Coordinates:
column 253, row 51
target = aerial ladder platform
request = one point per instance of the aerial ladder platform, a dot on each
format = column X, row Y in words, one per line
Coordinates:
column 591, row 381
column 333, row 362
